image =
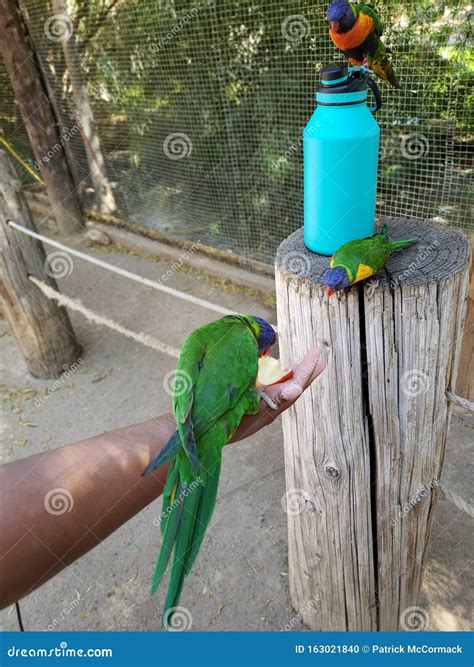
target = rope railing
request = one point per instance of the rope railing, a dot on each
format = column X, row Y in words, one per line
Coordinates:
column 460, row 401
column 154, row 284
column 101, row 320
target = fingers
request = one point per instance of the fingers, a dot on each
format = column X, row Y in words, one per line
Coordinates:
column 283, row 394
column 303, row 375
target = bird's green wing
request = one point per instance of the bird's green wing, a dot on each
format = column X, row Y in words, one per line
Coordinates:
column 369, row 10
column 217, row 364
column 228, row 370
column 363, row 257
column 185, row 379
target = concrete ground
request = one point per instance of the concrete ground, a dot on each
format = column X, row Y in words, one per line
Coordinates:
column 240, row 579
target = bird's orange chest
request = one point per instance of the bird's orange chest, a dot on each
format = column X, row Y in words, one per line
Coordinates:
column 355, row 36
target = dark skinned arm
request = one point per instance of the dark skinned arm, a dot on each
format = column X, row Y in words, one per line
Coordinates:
column 99, row 481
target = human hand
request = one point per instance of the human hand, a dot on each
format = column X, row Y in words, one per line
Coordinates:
column 283, row 394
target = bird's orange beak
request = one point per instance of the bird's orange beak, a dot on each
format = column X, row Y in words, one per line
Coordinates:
column 330, row 292
column 334, row 26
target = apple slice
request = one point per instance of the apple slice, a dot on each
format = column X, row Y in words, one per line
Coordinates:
column 270, row 371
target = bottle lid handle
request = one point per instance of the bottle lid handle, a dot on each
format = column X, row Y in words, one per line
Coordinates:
column 378, row 97
column 371, row 84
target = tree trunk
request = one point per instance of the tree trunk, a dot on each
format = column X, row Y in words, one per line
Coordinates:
column 27, row 82
column 364, row 448
column 41, row 327
column 85, row 118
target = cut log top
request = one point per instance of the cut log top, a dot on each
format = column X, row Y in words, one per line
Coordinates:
column 440, row 252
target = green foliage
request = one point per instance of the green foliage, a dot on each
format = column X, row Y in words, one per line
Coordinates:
column 234, row 78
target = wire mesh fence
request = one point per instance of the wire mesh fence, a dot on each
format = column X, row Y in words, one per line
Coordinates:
column 200, row 108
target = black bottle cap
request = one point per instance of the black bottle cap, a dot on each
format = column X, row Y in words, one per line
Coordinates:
column 345, row 83
column 334, row 71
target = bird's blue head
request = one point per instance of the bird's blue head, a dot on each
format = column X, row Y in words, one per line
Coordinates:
column 265, row 334
column 336, row 279
column 340, row 15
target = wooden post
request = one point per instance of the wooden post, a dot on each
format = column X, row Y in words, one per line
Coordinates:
column 465, row 381
column 27, row 82
column 41, row 327
column 364, row 448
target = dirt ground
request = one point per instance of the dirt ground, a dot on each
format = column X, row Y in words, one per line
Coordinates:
column 240, row 580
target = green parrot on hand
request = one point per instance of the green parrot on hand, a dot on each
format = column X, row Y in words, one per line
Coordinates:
column 360, row 259
column 214, row 388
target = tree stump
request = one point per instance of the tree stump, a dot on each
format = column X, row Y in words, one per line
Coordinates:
column 41, row 327
column 364, row 447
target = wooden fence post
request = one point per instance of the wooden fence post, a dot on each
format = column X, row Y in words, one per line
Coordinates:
column 41, row 327
column 465, row 381
column 364, row 448
column 30, row 93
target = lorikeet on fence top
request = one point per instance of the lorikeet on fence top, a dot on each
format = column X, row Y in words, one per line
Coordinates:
column 215, row 387
column 360, row 259
column 355, row 29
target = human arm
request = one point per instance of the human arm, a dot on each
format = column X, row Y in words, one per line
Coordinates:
column 64, row 502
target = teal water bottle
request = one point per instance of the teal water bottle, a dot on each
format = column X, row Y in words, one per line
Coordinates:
column 340, row 147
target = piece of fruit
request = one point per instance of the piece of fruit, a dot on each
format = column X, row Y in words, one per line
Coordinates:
column 270, row 371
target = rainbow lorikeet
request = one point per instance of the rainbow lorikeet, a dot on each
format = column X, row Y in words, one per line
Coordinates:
column 215, row 386
column 360, row 259
column 355, row 29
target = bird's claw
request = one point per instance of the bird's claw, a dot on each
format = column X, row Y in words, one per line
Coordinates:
column 372, row 285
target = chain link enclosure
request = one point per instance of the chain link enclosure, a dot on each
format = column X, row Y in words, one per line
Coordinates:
column 200, row 108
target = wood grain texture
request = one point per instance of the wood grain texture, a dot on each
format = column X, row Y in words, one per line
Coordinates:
column 364, row 446
column 42, row 328
column 40, row 123
column 465, row 381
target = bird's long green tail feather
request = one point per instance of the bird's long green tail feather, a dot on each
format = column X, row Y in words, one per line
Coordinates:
column 169, row 495
column 170, row 533
column 183, row 543
column 397, row 245
column 204, row 514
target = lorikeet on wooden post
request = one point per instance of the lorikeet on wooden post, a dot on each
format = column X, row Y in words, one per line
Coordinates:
column 215, row 386
column 355, row 29
column 360, row 259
